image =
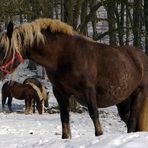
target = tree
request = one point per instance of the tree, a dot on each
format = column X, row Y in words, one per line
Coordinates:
column 110, row 7
column 83, row 15
column 146, row 24
column 68, row 12
column 76, row 12
column 119, row 12
column 137, row 27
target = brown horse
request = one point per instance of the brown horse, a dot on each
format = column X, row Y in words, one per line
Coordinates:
column 42, row 92
column 98, row 75
column 20, row 91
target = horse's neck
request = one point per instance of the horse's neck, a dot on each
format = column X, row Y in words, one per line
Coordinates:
column 48, row 55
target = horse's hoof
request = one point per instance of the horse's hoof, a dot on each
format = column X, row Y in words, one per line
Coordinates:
column 99, row 133
column 10, row 111
column 28, row 113
column 40, row 113
column 66, row 137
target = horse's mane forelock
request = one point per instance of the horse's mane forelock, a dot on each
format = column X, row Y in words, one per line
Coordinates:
column 31, row 32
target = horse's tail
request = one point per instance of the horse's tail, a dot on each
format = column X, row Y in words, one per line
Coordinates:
column 143, row 120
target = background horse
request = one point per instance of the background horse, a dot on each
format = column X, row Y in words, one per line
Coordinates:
column 20, row 91
column 98, row 75
column 44, row 94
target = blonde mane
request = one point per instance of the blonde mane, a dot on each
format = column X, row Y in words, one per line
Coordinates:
column 31, row 32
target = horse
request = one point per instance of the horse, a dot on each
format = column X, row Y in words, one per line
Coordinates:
column 20, row 91
column 96, row 74
column 42, row 91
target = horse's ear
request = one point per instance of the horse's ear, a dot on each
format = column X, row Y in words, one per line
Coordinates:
column 10, row 29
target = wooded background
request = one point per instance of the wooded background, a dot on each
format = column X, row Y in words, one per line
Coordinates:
column 121, row 22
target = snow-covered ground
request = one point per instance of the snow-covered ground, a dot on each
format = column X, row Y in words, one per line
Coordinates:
column 26, row 131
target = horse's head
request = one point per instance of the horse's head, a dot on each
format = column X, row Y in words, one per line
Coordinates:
column 10, row 57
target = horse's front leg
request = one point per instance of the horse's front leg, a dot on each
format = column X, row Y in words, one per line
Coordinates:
column 90, row 95
column 136, row 106
column 64, row 113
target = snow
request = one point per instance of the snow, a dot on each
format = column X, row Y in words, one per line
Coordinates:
column 18, row 130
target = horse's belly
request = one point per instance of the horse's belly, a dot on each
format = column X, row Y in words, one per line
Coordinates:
column 102, row 100
column 19, row 97
column 108, row 100
column 109, row 96
column 115, row 89
column 112, row 95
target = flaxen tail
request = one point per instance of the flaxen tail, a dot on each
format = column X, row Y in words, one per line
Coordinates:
column 143, row 120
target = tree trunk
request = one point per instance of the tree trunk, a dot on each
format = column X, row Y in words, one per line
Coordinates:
column 146, row 24
column 120, row 21
column 111, row 21
column 43, row 73
column 94, row 22
column 51, row 9
column 127, row 26
column 88, row 17
column 68, row 12
column 56, row 9
column 137, row 23
column 62, row 10
column 31, row 65
column 21, row 18
column 76, row 12
column 83, row 29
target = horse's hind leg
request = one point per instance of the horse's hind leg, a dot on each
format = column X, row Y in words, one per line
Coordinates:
column 63, row 102
column 90, row 95
column 10, row 103
column 124, row 109
column 137, row 99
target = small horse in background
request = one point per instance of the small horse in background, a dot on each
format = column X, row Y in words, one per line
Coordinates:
column 42, row 91
column 97, row 75
column 20, row 91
